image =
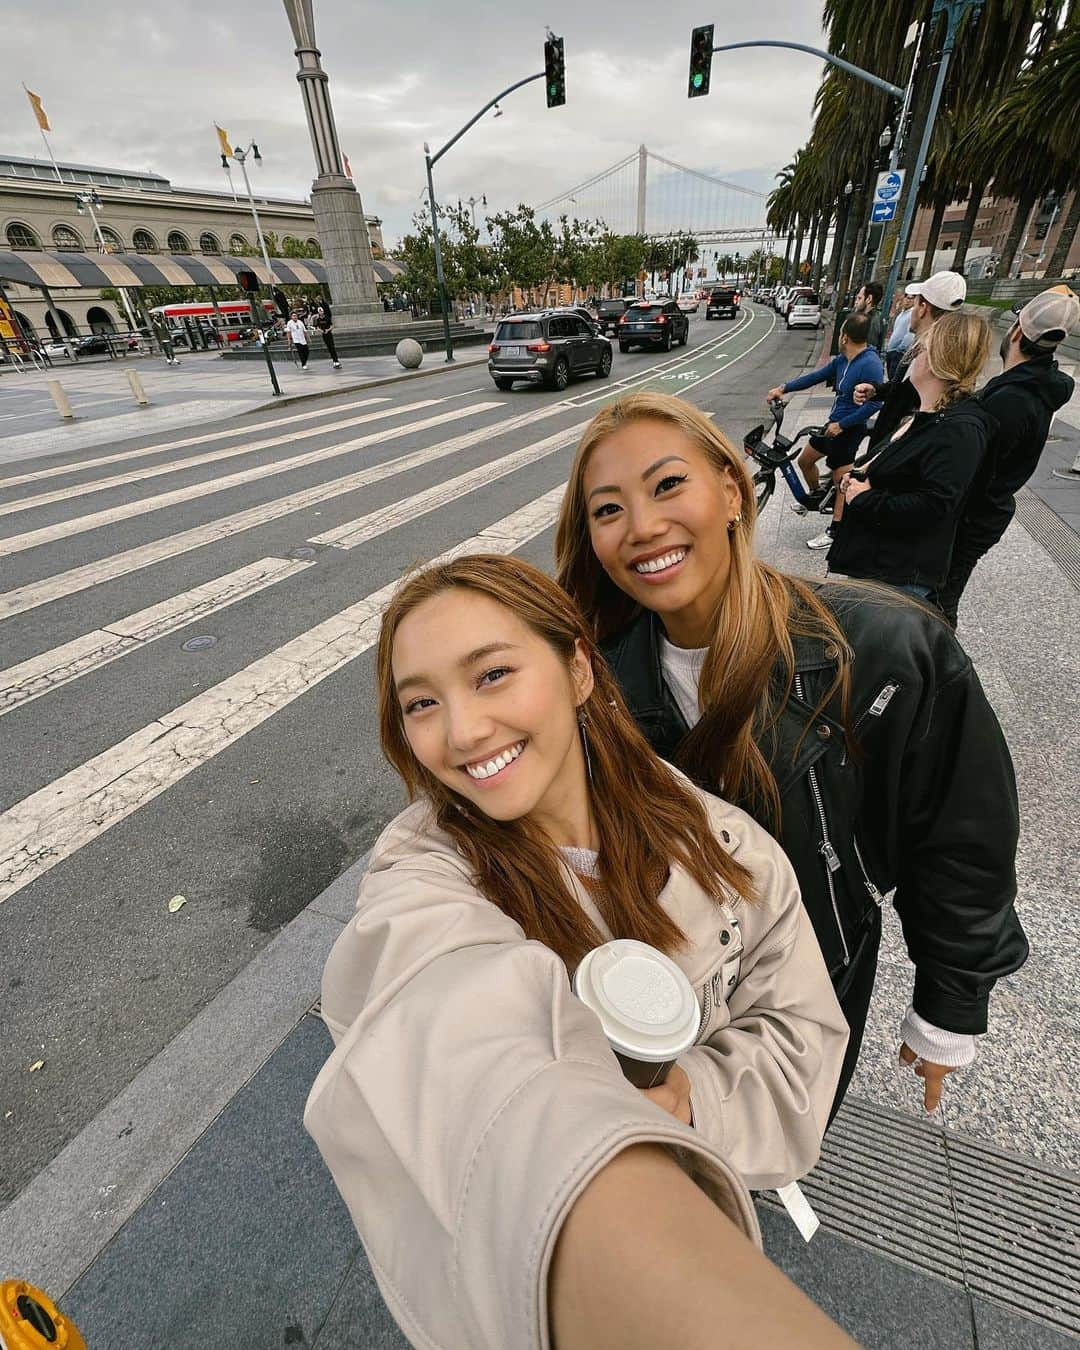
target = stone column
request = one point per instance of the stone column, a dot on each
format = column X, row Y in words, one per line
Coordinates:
column 339, row 215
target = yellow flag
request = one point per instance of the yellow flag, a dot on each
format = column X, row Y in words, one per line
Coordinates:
column 223, row 137
column 39, row 111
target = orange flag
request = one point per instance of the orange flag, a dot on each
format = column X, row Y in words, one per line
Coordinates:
column 223, row 137
column 39, row 111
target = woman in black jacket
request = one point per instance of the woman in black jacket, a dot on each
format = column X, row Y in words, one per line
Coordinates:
column 903, row 504
column 844, row 717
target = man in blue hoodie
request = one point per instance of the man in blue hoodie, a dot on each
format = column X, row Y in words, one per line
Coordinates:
column 855, row 363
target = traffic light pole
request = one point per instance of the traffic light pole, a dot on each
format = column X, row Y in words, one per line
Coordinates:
column 430, row 160
column 857, row 71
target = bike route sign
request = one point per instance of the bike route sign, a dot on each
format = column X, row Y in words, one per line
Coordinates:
column 886, row 196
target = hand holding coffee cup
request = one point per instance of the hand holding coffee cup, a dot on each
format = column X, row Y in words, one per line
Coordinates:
column 646, row 1006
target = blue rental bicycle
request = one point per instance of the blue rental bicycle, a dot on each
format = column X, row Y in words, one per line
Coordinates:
column 779, row 457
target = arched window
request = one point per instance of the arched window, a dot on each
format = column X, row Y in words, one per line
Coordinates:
column 21, row 236
column 238, row 244
column 99, row 320
column 112, row 240
column 66, row 237
column 24, row 323
column 288, row 242
column 144, row 242
column 315, row 247
column 178, row 242
column 65, row 319
column 208, row 243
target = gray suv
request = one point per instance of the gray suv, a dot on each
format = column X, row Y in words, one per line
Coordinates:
column 547, row 348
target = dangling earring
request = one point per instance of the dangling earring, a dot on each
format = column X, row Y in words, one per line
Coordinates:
column 582, row 718
column 732, row 523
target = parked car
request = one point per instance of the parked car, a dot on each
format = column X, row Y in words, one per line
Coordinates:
column 792, row 295
column 608, row 314
column 653, row 323
column 779, row 297
column 56, row 348
column 805, row 310
column 723, row 303
column 94, row 344
column 550, row 347
column 689, row 302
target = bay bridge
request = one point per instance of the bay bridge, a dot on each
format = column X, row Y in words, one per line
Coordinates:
column 647, row 193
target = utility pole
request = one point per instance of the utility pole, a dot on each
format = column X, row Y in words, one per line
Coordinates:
column 642, row 175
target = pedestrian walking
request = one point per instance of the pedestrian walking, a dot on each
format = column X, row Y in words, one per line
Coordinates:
column 941, row 294
column 521, row 854
column 297, row 334
column 846, row 719
column 324, row 322
column 1022, row 400
column 856, row 363
column 901, row 339
column 904, row 501
column 867, row 302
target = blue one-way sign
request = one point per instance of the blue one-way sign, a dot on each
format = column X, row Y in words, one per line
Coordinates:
column 881, row 212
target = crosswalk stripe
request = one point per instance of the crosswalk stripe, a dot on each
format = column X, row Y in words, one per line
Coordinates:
column 81, row 578
column 193, row 461
column 30, row 679
column 121, row 456
column 50, row 825
column 96, row 520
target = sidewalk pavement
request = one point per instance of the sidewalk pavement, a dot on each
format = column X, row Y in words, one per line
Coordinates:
column 201, row 388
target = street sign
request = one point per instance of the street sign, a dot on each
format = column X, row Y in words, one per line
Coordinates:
column 889, row 186
column 882, row 212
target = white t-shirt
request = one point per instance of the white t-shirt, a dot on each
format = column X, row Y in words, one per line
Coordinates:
column 682, row 674
column 297, row 331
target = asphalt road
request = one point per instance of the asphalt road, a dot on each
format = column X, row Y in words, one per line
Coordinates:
column 244, row 775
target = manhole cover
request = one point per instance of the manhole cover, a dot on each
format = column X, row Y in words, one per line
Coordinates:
column 303, row 552
column 199, row 644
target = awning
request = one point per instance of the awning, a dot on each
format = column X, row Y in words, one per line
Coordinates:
column 92, row 271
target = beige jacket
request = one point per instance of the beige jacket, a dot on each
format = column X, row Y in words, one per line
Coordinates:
column 471, row 1097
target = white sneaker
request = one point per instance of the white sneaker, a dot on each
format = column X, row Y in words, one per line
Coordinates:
column 337, row 365
column 822, row 540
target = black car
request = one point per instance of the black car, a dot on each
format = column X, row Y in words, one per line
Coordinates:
column 608, row 314
column 551, row 347
column 653, row 323
column 95, row 344
column 723, row 303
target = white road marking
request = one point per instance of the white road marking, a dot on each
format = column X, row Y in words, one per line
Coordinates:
column 210, row 457
column 42, row 674
column 157, row 449
column 96, row 573
column 55, row 822
column 96, row 520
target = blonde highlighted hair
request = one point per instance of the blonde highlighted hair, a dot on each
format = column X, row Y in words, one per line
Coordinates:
column 645, row 813
column 956, row 350
column 757, row 615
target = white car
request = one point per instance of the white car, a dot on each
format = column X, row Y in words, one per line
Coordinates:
column 804, row 311
column 779, row 297
column 56, row 348
column 689, row 302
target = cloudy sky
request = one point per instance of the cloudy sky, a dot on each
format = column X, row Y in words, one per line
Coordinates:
column 140, row 87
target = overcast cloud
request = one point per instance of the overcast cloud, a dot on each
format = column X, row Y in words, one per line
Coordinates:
column 140, row 87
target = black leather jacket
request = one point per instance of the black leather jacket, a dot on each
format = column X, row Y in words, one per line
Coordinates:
column 925, row 804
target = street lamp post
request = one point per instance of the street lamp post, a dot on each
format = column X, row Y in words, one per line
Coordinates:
column 430, row 160
column 89, row 200
column 240, row 154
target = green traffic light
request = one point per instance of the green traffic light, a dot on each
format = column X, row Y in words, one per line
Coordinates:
column 699, row 80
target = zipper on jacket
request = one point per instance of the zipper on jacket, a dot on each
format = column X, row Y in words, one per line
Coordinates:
column 825, row 848
column 875, row 894
column 706, row 1007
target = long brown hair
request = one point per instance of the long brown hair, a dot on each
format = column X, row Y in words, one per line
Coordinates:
column 644, row 812
column 758, row 614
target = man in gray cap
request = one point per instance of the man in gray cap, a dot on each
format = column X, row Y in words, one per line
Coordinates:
column 1023, row 400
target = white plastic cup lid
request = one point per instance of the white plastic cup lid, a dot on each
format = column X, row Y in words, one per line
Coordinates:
column 646, row 1005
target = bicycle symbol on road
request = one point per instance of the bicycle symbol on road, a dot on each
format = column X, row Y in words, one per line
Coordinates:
column 680, row 375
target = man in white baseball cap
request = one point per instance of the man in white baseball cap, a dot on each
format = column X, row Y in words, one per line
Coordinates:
column 1023, row 400
column 937, row 295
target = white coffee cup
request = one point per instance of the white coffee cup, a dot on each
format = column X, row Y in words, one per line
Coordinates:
column 645, row 1003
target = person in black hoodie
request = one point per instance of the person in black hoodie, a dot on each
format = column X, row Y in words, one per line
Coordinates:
column 845, row 718
column 904, row 502
column 1022, row 400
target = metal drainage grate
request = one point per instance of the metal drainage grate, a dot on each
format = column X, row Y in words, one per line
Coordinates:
column 955, row 1207
column 199, row 644
column 1048, row 529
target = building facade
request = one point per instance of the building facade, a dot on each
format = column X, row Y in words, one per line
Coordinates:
column 139, row 213
column 1038, row 240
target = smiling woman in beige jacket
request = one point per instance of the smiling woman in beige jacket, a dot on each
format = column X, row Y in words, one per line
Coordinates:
column 471, row 1099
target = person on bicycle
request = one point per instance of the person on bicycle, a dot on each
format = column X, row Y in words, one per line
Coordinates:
column 855, row 363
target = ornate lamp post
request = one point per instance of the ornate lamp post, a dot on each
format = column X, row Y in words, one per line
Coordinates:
column 339, row 215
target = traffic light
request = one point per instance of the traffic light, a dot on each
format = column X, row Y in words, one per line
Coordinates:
column 701, row 44
column 247, row 281
column 554, row 72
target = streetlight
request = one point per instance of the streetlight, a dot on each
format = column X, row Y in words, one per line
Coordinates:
column 87, row 201
column 240, row 154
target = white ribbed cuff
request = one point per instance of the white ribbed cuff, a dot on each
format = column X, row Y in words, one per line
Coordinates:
column 951, row 1049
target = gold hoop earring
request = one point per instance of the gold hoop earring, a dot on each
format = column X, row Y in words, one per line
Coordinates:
column 582, row 718
column 733, row 523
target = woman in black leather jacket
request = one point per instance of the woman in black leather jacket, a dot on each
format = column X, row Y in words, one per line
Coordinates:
column 844, row 717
